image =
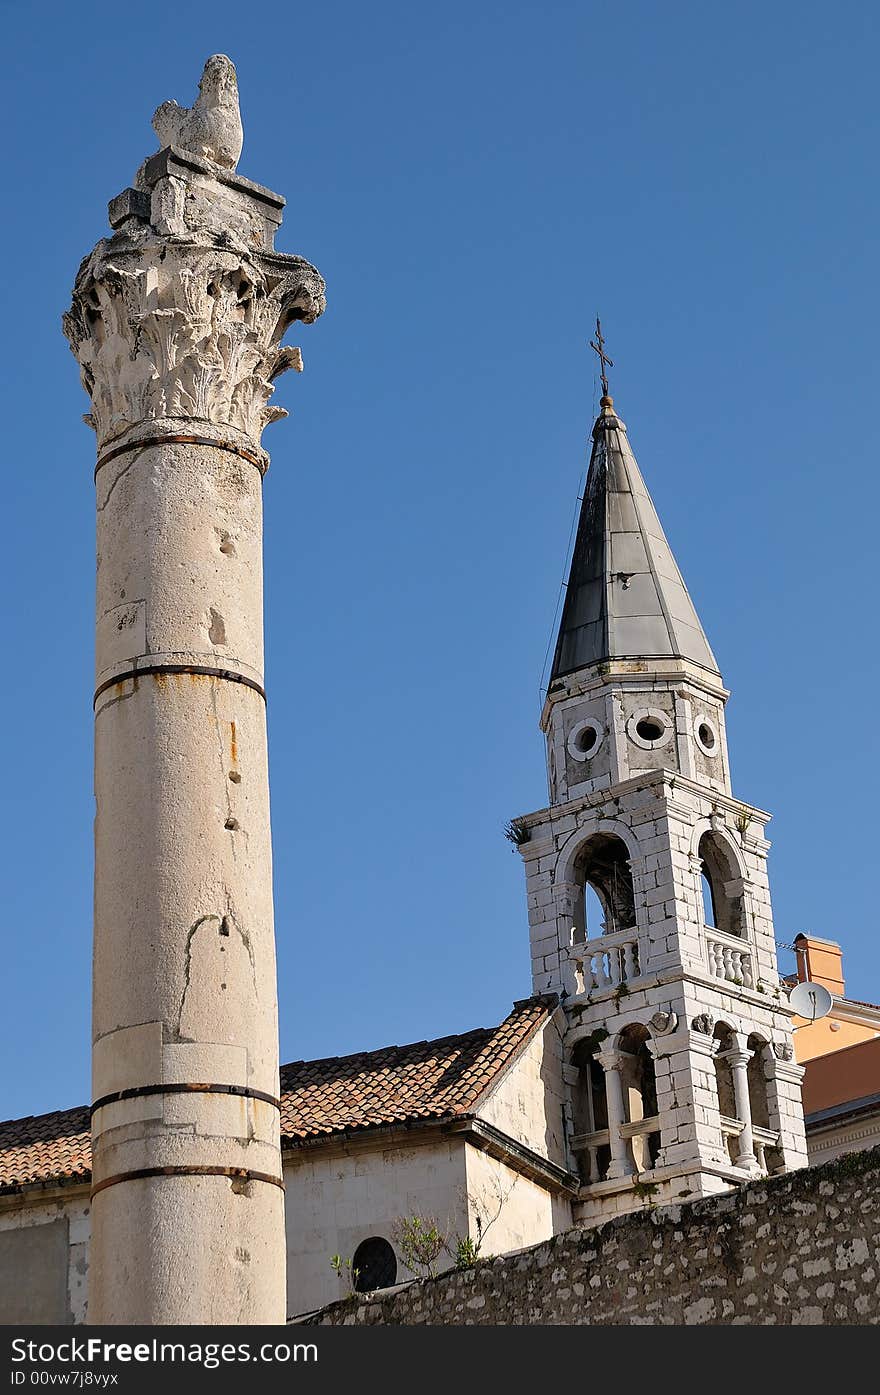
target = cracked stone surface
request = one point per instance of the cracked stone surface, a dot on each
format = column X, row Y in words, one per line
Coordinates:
column 177, row 322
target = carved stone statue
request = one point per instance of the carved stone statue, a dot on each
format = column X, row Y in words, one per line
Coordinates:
column 662, row 1023
column 211, row 127
column 704, row 1023
column 180, row 315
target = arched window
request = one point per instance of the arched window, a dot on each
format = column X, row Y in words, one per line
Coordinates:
column 766, row 1137
column 758, row 1082
column 603, row 871
column 594, row 912
column 721, row 886
column 374, row 1265
column 590, row 1110
column 708, row 902
column 639, row 1081
column 724, row 1081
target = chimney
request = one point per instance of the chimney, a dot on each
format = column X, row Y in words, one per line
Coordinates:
column 820, row 961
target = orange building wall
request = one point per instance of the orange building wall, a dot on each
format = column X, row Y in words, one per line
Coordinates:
column 828, row 1036
column 850, row 1074
column 821, row 961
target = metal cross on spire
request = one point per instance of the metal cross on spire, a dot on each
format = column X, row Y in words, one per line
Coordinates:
column 598, row 344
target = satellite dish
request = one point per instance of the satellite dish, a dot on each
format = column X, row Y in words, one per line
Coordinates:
column 810, row 1000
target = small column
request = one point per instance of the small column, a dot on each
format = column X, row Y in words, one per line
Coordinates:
column 738, row 1058
column 569, row 901
column 696, row 866
column 621, row 1161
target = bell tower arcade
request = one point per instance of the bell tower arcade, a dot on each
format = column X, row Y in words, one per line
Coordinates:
column 648, row 899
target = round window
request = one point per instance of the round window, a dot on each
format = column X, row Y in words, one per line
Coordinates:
column 706, row 735
column 649, row 728
column 584, row 739
column 374, row 1265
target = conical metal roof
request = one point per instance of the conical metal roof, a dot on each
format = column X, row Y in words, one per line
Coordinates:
column 626, row 598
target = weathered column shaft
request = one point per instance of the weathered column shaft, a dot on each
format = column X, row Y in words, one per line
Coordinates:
column 621, row 1162
column 177, row 322
column 738, row 1059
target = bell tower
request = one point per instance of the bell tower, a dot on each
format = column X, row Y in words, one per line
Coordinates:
column 649, row 904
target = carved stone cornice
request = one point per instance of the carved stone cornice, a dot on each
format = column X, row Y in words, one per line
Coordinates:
column 186, row 328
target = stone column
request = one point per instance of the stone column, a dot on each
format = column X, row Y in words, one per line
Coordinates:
column 621, row 1164
column 570, row 928
column 177, row 323
column 738, row 1059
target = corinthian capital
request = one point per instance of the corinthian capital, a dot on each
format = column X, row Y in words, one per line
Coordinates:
column 179, row 316
column 177, row 330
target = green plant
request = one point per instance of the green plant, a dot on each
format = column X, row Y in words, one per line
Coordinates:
column 645, row 1190
column 346, row 1273
column 517, row 832
column 587, row 1045
column 420, row 1242
column 467, row 1252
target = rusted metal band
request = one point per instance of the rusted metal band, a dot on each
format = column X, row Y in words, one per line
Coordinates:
column 242, row 1174
column 202, row 670
column 185, row 1088
column 181, row 441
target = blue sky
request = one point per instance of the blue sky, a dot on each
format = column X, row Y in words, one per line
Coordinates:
column 474, row 181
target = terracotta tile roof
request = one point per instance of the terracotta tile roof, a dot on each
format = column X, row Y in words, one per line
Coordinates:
column 425, row 1080
column 45, row 1147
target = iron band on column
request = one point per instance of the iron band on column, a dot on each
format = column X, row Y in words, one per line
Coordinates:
column 185, row 1088
column 199, row 670
column 179, row 440
column 242, row 1174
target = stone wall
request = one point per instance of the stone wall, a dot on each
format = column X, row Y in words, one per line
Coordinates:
column 798, row 1249
column 528, row 1104
column 337, row 1198
column 44, row 1255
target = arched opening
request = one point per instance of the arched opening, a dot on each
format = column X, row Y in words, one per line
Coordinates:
column 602, row 868
column 594, row 913
column 722, row 901
column 757, row 1078
column 639, row 1081
column 708, row 902
column 590, row 1111
column 374, row 1265
column 724, row 1082
column 766, row 1137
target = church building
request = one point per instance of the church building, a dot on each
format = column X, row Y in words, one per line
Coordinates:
column 651, row 1060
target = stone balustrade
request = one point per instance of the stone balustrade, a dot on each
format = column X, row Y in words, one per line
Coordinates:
column 590, row 1144
column 636, row 1135
column 762, row 1139
column 608, row 960
column 729, row 958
